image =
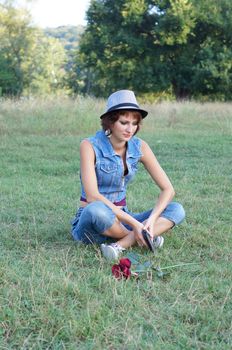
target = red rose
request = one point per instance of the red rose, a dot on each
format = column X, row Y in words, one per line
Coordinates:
column 122, row 269
column 125, row 262
column 126, row 272
column 116, row 271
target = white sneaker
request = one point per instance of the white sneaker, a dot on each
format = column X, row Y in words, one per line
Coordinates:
column 158, row 242
column 112, row 251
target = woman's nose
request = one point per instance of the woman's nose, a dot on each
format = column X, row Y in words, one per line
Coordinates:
column 129, row 127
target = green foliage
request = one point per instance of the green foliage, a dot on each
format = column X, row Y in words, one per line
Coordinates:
column 45, row 70
column 16, row 38
column 29, row 61
column 157, row 46
column 56, row 294
column 164, row 49
column 69, row 36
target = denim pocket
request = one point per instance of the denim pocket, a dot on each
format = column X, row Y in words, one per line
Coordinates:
column 108, row 176
column 108, row 168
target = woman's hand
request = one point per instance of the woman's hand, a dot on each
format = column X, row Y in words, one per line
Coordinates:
column 149, row 226
column 137, row 229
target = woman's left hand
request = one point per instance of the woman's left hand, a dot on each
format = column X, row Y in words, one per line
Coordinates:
column 149, row 226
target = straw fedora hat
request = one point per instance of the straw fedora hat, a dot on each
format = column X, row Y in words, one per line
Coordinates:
column 123, row 100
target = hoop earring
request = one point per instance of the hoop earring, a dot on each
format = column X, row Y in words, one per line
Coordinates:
column 108, row 133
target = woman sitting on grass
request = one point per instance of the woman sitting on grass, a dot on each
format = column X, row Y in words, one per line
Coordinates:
column 109, row 161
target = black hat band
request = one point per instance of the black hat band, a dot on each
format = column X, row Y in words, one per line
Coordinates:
column 123, row 105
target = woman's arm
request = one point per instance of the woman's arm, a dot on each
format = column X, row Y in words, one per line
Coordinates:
column 89, row 180
column 161, row 179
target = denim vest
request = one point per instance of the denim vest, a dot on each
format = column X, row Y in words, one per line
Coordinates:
column 109, row 166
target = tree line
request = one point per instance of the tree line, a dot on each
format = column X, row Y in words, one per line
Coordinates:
column 32, row 61
column 166, row 48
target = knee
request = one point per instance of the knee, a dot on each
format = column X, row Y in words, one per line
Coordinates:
column 179, row 212
column 97, row 211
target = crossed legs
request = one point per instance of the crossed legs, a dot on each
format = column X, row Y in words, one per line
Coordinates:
column 126, row 237
column 96, row 223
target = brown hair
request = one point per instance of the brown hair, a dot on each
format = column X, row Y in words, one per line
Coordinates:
column 111, row 118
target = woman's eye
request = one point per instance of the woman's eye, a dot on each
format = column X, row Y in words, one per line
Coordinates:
column 125, row 123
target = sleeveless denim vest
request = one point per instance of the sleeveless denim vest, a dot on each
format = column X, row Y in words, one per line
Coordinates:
column 109, row 166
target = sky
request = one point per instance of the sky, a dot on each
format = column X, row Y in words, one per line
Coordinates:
column 55, row 13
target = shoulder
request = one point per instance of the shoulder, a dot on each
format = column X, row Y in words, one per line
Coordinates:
column 147, row 152
column 86, row 148
column 144, row 145
column 97, row 140
column 85, row 144
column 141, row 145
column 91, row 140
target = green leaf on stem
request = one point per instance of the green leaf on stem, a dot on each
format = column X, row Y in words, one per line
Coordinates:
column 134, row 258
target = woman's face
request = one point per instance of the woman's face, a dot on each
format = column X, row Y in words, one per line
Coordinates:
column 125, row 127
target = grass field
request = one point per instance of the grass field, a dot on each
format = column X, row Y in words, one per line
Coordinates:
column 56, row 294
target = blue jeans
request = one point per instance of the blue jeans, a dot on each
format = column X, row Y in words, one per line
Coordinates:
column 94, row 219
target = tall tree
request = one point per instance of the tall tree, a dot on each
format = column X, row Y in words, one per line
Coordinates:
column 157, row 45
column 44, row 70
column 16, row 38
column 30, row 62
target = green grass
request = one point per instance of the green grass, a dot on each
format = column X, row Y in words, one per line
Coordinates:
column 56, row 294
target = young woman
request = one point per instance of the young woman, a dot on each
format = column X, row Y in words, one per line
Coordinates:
column 109, row 161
